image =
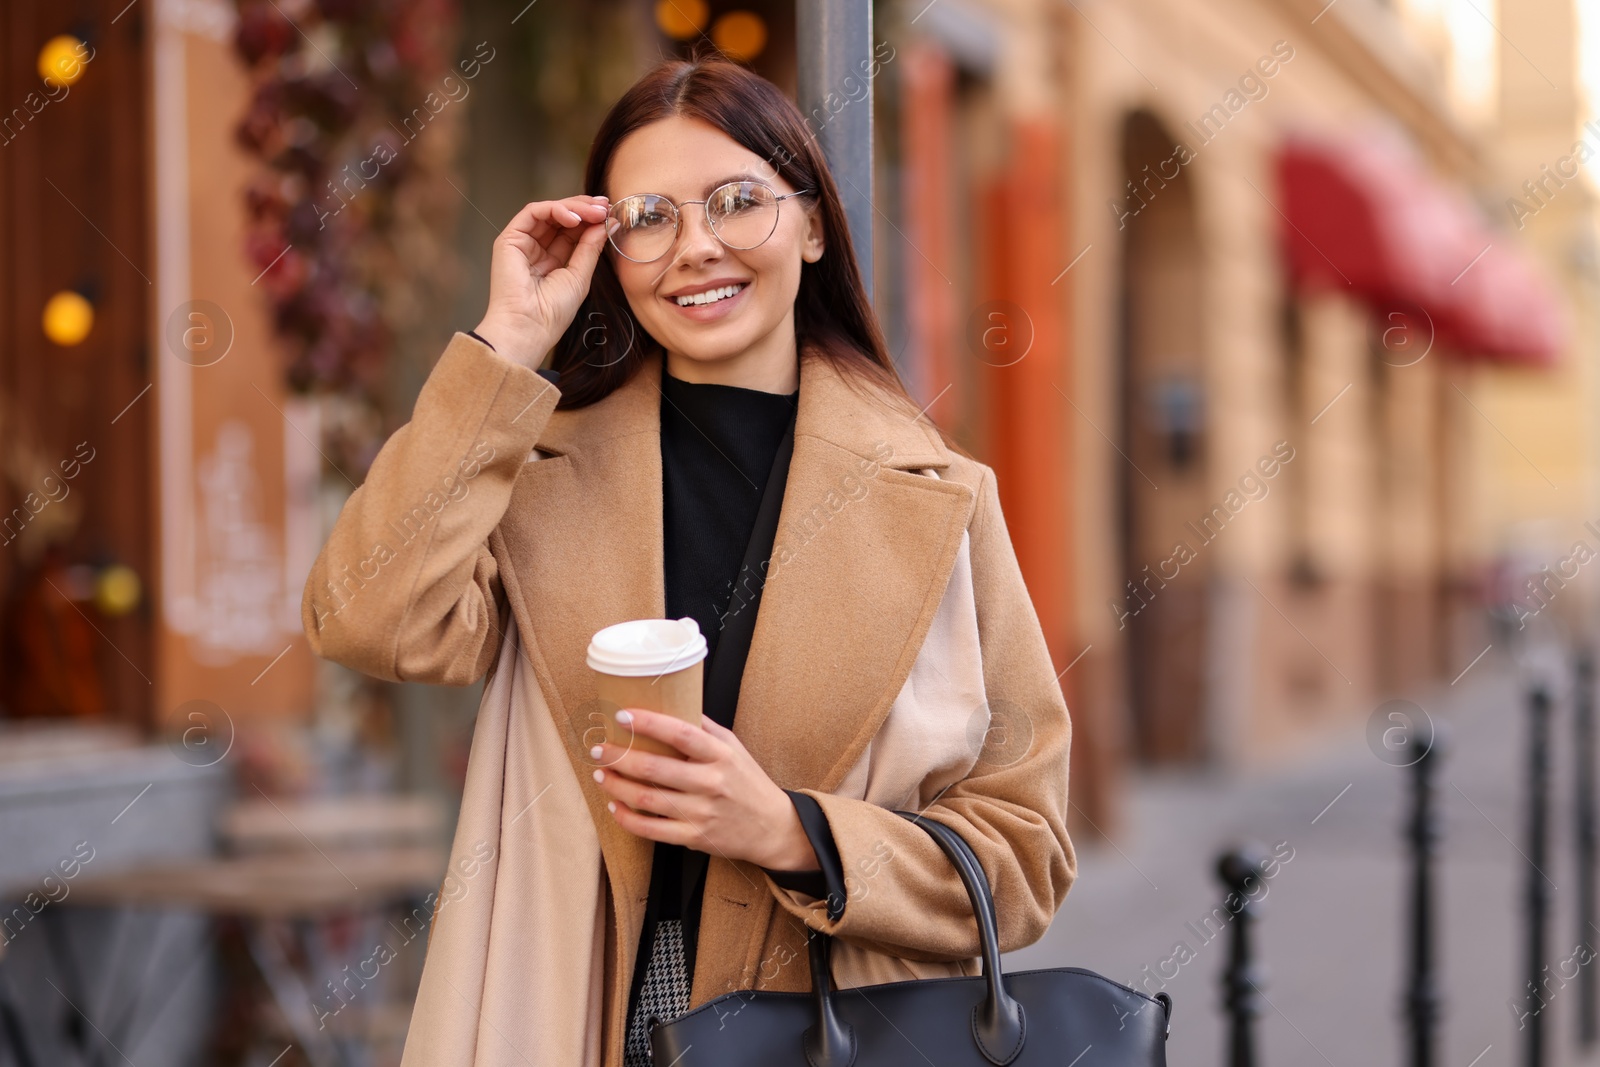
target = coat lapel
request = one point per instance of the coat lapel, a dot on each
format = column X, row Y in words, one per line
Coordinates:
column 583, row 550
column 863, row 551
column 862, row 555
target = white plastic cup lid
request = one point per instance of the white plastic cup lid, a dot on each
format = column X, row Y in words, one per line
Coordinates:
column 646, row 647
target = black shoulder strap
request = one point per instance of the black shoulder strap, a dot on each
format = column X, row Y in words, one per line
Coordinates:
column 725, row 672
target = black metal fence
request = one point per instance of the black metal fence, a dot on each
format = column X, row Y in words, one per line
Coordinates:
column 1240, row 868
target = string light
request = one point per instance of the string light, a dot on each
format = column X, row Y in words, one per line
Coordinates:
column 63, row 60
column 117, row 590
column 68, row 318
column 741, row 34
column 681, row 19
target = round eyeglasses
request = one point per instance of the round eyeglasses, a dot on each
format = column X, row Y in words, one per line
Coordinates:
column 742, row 215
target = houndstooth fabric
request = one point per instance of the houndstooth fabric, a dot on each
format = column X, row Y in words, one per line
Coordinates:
column 665, row 992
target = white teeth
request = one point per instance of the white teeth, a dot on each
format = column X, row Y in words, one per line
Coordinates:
column 708, row 296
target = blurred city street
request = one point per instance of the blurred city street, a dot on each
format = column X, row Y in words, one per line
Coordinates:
column 1274, row 324
column 1333, row 928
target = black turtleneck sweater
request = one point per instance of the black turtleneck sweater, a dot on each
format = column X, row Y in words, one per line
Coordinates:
column 718, row 443
column 717, row 447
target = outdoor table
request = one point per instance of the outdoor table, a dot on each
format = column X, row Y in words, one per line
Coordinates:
column 289, row 906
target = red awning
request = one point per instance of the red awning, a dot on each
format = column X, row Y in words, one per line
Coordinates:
column 1362, row 214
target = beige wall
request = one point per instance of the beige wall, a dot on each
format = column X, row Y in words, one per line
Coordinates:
column 237, row 483
column 1532, row 436
column 1285, row 658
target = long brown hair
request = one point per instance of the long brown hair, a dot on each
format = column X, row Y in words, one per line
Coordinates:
column 605, row 345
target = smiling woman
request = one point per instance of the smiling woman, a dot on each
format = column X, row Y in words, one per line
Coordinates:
column 751, row 401
column 760, row 215
column 722, row 304
column 747, row 336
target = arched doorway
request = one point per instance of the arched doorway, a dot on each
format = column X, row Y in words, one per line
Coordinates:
column 1165, row 554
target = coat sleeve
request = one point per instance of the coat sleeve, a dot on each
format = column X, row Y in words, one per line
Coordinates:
column 827, row 882
column 903, row 896
column 406, row 588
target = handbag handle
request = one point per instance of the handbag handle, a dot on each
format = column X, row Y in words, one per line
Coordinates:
column 998, row 1024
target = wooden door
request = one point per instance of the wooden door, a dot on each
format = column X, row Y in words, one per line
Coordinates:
column 1164, row 587
column 75, row 420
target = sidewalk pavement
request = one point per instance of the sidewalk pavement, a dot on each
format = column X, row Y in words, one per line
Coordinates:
column 1333, row 930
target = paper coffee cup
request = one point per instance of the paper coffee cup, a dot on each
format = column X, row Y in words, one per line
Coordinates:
column 655, row 664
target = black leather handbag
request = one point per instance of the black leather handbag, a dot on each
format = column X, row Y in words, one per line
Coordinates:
column 1029, row 1018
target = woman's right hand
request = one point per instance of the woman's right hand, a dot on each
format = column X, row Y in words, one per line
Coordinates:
column 540, row 272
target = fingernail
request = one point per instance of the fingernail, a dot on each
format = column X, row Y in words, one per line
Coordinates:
column 611, row 226
column 599, row 775
column 624, row 717
column 594, row 753
column 611, row 805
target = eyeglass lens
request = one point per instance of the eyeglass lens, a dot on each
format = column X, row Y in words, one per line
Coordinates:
column 742, row 214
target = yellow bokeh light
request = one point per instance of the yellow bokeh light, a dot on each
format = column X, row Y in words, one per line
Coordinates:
column 681, row 19
column 63, row 60
column 741, row 34
column 68, row 318
column 117, row 590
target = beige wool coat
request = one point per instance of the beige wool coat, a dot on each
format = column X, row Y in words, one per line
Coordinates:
column 897, row 661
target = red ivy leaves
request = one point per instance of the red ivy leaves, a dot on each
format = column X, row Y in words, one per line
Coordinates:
column 330, row 79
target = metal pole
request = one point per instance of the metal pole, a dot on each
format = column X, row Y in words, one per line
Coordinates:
column 1536, row 895
column 1424, row 997
column 1583, row 727
column 1241, row 871
column 834, row 38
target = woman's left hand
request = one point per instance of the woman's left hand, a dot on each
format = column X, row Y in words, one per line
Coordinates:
column 717, row 800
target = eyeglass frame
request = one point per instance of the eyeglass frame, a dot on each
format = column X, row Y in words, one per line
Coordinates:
column 677, row 208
